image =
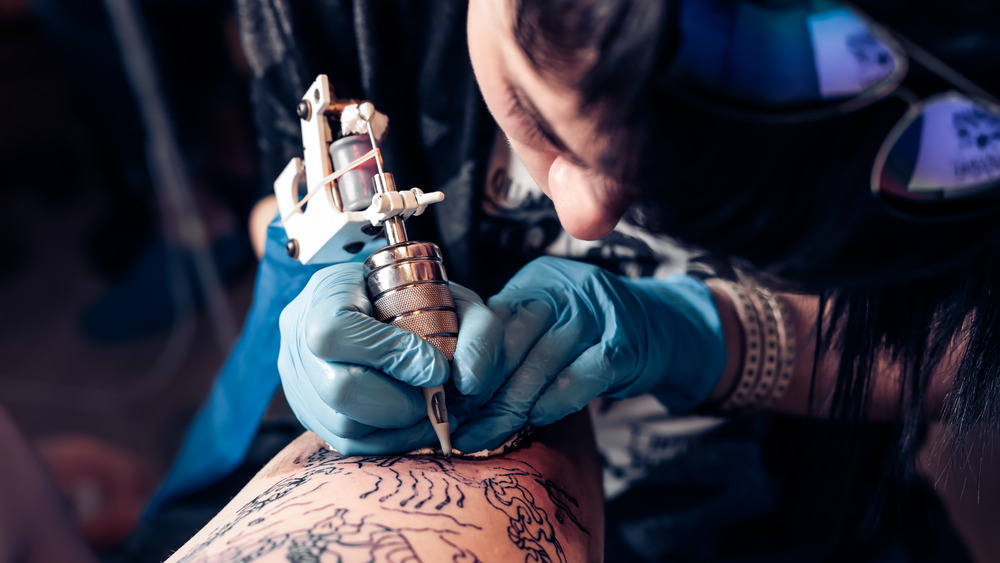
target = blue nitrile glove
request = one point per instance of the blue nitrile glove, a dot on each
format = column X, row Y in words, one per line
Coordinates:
column 218, row 438
column 354, row 381
column 575, row 332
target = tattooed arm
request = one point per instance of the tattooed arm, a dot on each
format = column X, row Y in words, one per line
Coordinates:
column 539, row 503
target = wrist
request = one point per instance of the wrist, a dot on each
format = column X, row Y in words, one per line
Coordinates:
column 762, row 331
column 686, row 340
column 735, row 339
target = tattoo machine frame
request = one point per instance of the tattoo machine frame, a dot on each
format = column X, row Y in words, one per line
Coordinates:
column 337, row 198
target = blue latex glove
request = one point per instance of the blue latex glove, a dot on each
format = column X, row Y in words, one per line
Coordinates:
column 575, row 332
column 353, row 380
column 221, row 433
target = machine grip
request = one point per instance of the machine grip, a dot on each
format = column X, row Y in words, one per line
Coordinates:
column 409, row 288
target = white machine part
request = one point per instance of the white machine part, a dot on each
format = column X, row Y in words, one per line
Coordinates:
column 346, row 208
column 320, row 230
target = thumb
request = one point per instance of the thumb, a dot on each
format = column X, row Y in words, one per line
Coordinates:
column 338, row 328
column 478, row 362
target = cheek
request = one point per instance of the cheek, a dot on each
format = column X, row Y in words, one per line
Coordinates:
column 484, row 64
column 538, row 163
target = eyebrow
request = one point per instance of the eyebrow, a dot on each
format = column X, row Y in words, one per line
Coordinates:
column 523, row 103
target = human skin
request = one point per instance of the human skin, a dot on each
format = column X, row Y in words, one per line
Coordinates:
column 588, row 203
column 35, row 526
column 542, row 502
column 260, row 215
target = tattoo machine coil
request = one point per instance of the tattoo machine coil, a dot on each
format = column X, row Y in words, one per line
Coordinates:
column 337, row 198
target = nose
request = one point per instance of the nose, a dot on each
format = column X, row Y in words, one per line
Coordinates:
column 588, row 204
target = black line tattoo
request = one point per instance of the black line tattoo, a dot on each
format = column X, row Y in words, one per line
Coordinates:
column 424, row 487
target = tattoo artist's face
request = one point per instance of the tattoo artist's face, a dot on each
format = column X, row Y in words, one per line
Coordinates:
column 543, row 124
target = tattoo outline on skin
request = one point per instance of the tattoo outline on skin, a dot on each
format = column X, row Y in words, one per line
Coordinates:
column 429, row 488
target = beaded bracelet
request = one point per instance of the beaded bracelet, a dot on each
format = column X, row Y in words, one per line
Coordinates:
column 786, row 351
column 739, row 396
column 768, row 351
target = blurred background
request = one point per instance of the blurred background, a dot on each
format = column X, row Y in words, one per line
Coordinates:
column 107, row 343
column 111, row 327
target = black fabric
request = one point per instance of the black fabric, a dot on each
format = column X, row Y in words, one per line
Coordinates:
column 409, row 59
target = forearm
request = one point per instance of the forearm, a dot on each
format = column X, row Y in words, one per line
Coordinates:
column 803, row 309
column 260, row 215
column 542, row 502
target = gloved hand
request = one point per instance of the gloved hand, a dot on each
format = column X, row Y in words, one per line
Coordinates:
column 221, row 432
column 353, row 380
column 574, row 332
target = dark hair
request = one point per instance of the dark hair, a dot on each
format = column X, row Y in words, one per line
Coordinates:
column 792, row 201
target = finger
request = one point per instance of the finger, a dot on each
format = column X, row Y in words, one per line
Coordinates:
column 340, row 287
column 356, row 392
column 509, row 408
column 545, row 271
column 383, row 442
column 367, row 396
column 316, row 418
column 573, row 388
column 477, row 367
column 464, row 294
column 311, row 411
column 485, row 432
column 525, row 319
column 338, row 328
column 336, row 428
column 361, row 394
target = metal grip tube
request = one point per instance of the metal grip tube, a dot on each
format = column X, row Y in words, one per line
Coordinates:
column 408, row 288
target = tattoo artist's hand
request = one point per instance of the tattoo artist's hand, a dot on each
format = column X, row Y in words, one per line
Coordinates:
column 574, row 332
column 354, row 381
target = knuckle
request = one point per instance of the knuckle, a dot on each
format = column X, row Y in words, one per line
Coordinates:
column 333, row 386
column 322, row 332
column 464, row 296
column 316, row 334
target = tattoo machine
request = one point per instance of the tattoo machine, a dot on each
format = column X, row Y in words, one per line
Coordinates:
column 337, row 198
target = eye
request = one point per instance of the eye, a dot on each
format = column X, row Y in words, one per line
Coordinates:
column 528, row 125
column 536, row 131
